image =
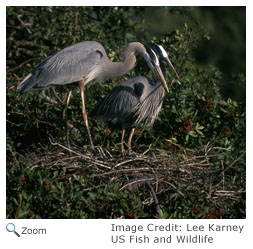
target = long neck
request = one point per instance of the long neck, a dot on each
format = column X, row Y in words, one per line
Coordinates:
column 111, row 70
column 115, row 69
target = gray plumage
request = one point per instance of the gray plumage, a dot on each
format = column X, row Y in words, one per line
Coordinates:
column 86, row 60
column 135, row 101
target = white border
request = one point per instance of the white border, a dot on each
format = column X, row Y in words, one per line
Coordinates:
column 96, row 233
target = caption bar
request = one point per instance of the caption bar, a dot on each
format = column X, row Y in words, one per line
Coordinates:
column 174, row 233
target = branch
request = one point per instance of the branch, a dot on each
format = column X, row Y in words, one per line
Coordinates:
column 96, row 162
column 129, row 161
column 24, row 24
column 158, row 210
column 21, row 65
column 48, row 99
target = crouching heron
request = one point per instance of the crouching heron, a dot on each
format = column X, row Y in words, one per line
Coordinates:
column 83, row 63
column 135, row 101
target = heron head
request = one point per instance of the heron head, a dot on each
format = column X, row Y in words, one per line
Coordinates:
column 155, row 67
column 161, row 51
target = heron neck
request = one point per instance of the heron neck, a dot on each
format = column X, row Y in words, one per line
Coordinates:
column 116, row 69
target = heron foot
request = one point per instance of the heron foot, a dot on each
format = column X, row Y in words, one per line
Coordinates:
column 130, row 141
column 129, row 147
column 123, row 152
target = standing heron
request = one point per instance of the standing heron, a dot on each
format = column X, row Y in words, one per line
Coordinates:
column 82, row 63
column 135, row 101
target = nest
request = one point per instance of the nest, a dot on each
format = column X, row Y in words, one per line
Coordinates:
column 158, row 171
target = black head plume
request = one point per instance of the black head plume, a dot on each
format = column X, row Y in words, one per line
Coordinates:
column 152, row 55
column 160, row 50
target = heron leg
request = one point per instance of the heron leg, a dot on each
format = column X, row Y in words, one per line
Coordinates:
column 85, row 118
column 130, row 140
column 65, row 117
column 122, row 142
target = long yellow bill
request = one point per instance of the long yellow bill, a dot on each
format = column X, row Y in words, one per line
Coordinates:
column 171, row 66
column 160, row 76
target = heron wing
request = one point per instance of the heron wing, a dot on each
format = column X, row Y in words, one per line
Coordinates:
column 118, row 104
column 66, row 66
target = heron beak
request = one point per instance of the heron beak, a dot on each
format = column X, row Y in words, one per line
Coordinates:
column 153, row 63
column 161, row 78
column 171, row 66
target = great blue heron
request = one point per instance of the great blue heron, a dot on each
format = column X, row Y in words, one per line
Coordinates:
column 84, row 62
column 135, row 101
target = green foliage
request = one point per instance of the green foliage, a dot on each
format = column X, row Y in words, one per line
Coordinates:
column 194, row 114
column 195, row 205
column 44, row 193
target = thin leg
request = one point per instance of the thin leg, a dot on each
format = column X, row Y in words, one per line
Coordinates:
column 65, row 117
column 122, row 142
column 130, row 140
column 85, row 118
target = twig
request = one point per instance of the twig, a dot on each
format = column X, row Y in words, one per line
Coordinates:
column 48, row 99
column 230, row 191
column 196, row 164
column 136, row 181
column 97, row 162
column 158, row 210
column 101, row 151
column 146, row 151
column 173, row 186
column 108, row 152
column 24, row 24
column 118, row 171
column 235, row 161
column 56, row 95
column 129, row 161
column 21, row 65
column 65, row 159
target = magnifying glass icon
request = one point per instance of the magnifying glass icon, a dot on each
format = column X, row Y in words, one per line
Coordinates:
column 10, row 227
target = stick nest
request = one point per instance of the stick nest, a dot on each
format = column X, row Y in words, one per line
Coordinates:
column 172, row 173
